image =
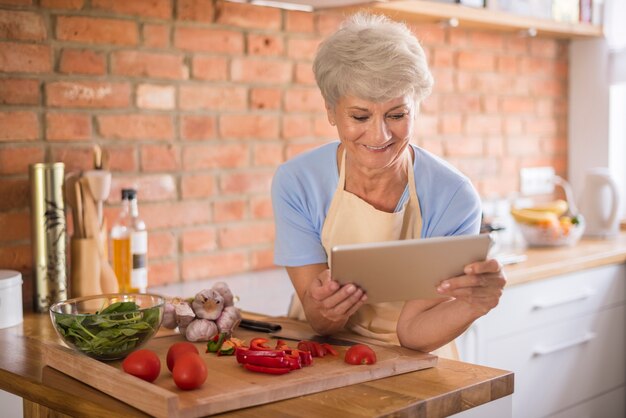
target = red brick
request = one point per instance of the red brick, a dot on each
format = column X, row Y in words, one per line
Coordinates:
column 161, row 244
column 97, row 30
column 122, row 159
column 75, row 157
column 25, row 58
column 461, row 103
column 328, row 22
column 205, row 157
column 15, row 91
column 304, row 100
column 139, row 127
column 91, row 94
column 265, row 45
column 63, row 4
column 297, row 21
column 432, row 145
column 464, row 146
column 229, row 210
column 161, row 272
column 15, row 194
column 489, row 104
column 198, row 10
column 451, row 124
column 196, row 128
column 262, row 259
column 199, row 240
column 82, row 61
column 23, row 26
column 478, row 124
column 323, row 129
column 214, row 265
column 512, row 125
column 265, row 98
column 458, row 38
column 444, row 80
column 208, row 40
column 549, row 88
column 523, row 146
column 256, row 181
column 442, row 58
column 246, row 234
column 268, row 154
column 152, row 96
column 249, row 126
column 195, row 186
column 304, row 74
column 427, row 125
column 16, row 257
column 156, row 35
column 14, row 226
column 19, row 126
column 253, row 70
column 148, row 64
column 518, row 105
column 544, row 47
column 179, row 214
column 507, row 64
column 151, row 187
column 475, row 61
column 210, row 68
column 160, row 157
column 68, row 127
column 248, row 16
column 517, row 45
column 261, row 207
column 543, row 126
column 202, row 97
column 160, row 9
column 296, row 126
column 533, row 65
column 429, row 33
column 298, row 148
column 302, row 48
column 491, row 41
column 15, row 160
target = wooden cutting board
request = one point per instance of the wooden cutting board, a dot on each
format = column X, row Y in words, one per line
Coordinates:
column 229, row 386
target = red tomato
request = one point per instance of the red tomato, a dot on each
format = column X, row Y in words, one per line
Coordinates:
column 189, row 371
column 360, row 354
column 144, row 364
column 178, row 349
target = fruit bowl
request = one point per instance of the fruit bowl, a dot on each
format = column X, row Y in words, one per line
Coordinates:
column 108, row 327
column 566, row 231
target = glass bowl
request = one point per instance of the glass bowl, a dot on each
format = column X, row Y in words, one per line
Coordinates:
column 108, row 327
column 552, row 234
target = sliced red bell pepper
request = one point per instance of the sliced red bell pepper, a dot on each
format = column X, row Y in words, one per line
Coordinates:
column 282, row 345
column 329, row 349
column 258, row 344
column 313, row 347
column 261, row 353
column 268, row 370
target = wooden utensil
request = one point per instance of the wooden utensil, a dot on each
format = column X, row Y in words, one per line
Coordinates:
column 80, row 216
column 71, row 200
column 100, row 186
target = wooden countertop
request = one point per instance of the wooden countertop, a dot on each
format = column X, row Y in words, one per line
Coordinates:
column 548, row 262
column 440, row 391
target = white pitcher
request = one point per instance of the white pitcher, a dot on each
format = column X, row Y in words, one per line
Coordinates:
column 599, row 203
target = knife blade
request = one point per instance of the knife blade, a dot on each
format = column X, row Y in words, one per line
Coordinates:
column 276, row 331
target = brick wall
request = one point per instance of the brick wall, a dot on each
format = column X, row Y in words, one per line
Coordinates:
column 198, row 101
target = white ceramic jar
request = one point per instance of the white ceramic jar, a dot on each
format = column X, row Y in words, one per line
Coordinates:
column 10, row 298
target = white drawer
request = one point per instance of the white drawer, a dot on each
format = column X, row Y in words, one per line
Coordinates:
column 561, row 364
column 527, row 306
column 608, row 405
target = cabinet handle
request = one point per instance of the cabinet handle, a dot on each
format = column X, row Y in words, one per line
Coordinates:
column 542, row 351
column 567, row 299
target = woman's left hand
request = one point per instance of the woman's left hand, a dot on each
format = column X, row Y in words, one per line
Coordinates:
column 480, row 287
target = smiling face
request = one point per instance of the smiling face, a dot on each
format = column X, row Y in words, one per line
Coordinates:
column 375, row 135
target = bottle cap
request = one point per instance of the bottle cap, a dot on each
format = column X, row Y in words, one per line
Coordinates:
column 129, row 194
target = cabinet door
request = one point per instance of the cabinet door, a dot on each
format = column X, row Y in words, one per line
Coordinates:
column 563, row 363
column 528, row 306
column 608, row 405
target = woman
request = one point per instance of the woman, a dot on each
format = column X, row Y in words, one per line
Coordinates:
column 373, row 185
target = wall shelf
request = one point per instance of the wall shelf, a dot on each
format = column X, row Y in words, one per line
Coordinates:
column 470, row 17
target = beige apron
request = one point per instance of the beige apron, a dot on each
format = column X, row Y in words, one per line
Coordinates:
column 351, row 220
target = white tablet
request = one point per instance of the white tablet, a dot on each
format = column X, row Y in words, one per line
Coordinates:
column 404, row 270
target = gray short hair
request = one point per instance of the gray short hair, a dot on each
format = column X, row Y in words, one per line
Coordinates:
column 372, row 58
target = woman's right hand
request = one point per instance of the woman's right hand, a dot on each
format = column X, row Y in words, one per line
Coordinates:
column 335, row 303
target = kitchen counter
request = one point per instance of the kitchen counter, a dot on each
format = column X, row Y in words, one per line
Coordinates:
column 548, row 262
column 448, row 388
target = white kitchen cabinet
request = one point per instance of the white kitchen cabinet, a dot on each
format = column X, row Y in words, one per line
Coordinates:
column 565, row 340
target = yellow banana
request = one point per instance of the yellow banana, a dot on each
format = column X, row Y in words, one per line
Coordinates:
column 558, row 207
column 529, row 216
